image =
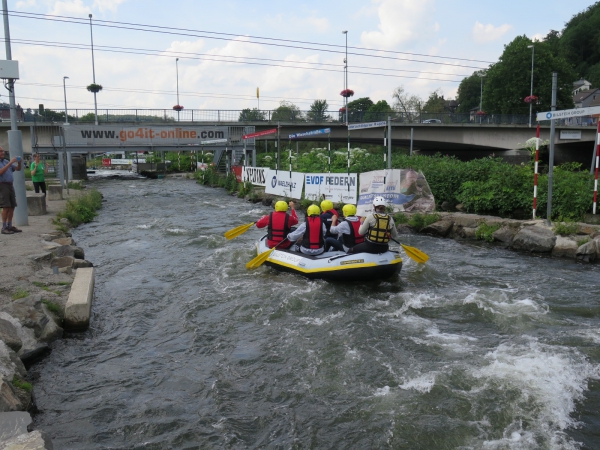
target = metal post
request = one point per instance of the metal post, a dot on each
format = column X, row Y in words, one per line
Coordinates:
column 177, row 76
column 551, row 156
column 389, row 142
column 15, row 138
column 93, row 72
column 277, row 143
column 69, row 164
column 531, row 90
column 411, row 141
column 65, row 91
column 346, row 76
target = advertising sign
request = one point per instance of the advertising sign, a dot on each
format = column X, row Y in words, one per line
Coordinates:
column 260, row 133
column 360, row 126
column 147, row 135
column 570, row 134
column 106, row 161
column 255, row 175
column 310, row 133
column 337, row 187
column 280, row 183
column 403, row 189
column 566, row 113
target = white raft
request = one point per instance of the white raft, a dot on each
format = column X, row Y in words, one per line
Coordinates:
column 334, row 265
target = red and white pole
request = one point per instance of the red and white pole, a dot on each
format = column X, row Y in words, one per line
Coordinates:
column 535, row 170
column 597, row 164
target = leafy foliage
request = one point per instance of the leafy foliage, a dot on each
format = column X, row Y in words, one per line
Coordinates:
column 252, row 115
column 287, row 112
column 82, row 209
column 318, row 111
column 485, row 232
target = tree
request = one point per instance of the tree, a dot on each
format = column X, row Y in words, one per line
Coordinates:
column 318, row 111
column 435, row 103
column 251, row 115
column 287, row 112
column 469, row 92
column 358, row 108
column 507, row 82
column 406, row 103
column 379, row 111
column 579, row 40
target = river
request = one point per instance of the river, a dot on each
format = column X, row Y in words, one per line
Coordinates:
column 480, row 348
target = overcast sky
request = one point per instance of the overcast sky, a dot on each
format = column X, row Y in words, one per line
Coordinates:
column 293, row 51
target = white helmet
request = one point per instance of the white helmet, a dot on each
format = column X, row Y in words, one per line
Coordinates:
column 379, row 201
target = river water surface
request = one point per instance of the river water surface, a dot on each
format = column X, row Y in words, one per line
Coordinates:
column 480, row 348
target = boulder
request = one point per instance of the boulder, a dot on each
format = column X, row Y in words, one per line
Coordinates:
column 78, row 252
column 564, row 248
column 13, row 424
column 36, row 440
column 440, row 228
column 41, row 257
column 62, row 262
column 466, row 220
column 534, row 239
column 467, row 232
column 52, row 236
column 505, row 234
column 79, row 263
column 63, row 250
column 28, row 311
column 8, row 334
column 11, row 398
column 64, row 241
column 588, row 252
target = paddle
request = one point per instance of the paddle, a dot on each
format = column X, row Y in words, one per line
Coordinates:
column 257, row 262
column 413, row 253
column 235, row 232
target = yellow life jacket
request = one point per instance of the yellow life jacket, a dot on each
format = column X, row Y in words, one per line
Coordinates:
column 379, row 234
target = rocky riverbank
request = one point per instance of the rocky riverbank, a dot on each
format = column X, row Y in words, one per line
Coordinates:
column 38, row 267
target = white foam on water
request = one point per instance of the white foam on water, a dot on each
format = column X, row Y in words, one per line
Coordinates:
column 144, row 226
column 423, row 383
column 453, row 342
column 176, row 230
column 319, row 321
column 256, row 212
column 381, row 392
column 498, row 302
column 590, row 334
column 550, row 380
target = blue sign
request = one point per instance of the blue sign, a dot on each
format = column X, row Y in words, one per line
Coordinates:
column 360, row 126
column 310, row 133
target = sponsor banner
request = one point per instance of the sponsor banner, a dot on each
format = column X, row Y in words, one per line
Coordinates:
column 255, row 175
column 310, row 133
column 148, row 135
column 337, row 187
column 569, row 134
column 403, row 189
column 237, row 170
column 106, row 161
column 280, row 183
column 121, row 161
column 566, row 113
column 260, row 133
column 360, row 126
column 213, row 141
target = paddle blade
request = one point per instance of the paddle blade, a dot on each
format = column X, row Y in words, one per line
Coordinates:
column 415, row 254
column 257, row 262
column 235, row 232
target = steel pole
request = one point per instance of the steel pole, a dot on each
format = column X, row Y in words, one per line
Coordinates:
column 551, row 155
column 93, row 72
column 65, row 91
column 531, row 89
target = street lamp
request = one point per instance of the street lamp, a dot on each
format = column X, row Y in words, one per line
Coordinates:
column 65, row 91
column 177, row 77
column 531, row 90
column 346, row 76
column 93, row 72
column 481, row 97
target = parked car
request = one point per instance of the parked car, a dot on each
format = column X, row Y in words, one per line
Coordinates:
column 432, row 121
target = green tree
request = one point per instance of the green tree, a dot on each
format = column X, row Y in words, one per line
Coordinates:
column 579, row 40
column 358, row 108
column 379, row 111
column 287, row 112
column 469, row 92
column 507, row 82
column 251, row 115
column 435, row 103
column 318, row 111
column 406, row 103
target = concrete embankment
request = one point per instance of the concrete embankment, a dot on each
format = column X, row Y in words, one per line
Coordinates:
column 47, row 286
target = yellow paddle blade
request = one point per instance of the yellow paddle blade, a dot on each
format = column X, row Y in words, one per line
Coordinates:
column 415, row 254
column 235, row 232
column 257, row 262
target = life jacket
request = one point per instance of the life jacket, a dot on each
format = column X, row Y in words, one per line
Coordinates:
column 379, row 234
column 313, row 235
column 326, row 217
column 278, row 227
column 350, row 240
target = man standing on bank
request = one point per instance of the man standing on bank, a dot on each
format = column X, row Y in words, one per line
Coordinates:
column 8, row 200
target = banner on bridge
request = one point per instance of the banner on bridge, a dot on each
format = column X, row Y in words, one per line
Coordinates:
column 111, row 135
column 337, row 187
column 255, row 175
column 403, row 189
column 280, row 183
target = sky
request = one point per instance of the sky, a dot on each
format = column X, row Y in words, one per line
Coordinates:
column 291, row 51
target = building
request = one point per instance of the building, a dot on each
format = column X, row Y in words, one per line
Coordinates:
column 581, row 85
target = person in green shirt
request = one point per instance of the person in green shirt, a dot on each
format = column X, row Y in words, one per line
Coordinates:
column 38, row 172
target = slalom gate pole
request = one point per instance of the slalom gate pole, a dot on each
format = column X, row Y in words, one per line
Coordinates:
column 596, row 174
column 535, row 170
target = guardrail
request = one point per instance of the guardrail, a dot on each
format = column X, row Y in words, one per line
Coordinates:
column 169, row 116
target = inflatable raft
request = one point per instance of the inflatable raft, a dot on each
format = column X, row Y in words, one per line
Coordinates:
column 334, row 265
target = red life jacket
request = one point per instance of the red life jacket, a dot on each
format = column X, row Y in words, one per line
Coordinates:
column 350, row 240
column 313, row 235
column 278, row 227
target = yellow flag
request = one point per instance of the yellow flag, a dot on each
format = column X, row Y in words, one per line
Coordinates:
column 257, row 93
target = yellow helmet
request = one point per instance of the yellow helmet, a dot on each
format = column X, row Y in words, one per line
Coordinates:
column 326, row 205
column 281, row 206
column 313, row 210
column 349, row 210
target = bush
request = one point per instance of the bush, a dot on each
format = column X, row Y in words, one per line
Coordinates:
column 419, row 221
column 81, row 210
column 485, row 231
column 566, row 227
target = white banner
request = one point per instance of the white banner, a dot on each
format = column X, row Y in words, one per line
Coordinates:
column 255, row 175
column 337, row 187
column 280, row 183
column 146, row 135
column 403, row 189
column 565, row 113
column 362, row 126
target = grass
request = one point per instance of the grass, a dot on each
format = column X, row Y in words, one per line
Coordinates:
column 485, row 232
column 81, row 210
column 41, row 285
column 583, row 241
column 20, row 293
column 419, row 221
column 566, row 228
column 21, row 384
column 63, row 283
column 53, row 308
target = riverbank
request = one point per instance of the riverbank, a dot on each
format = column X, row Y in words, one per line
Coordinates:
column 36, row 282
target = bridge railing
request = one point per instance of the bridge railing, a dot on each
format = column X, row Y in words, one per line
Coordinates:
column 169, row 116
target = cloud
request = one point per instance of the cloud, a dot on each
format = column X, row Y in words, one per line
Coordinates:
column 25, row 4
column 70, row 7
column 488, row 33
column 318, row 24
column 400, row 21
column 107, row 5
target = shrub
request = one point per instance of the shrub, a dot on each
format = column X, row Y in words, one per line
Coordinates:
column 484, row 231
column 20, row 293
column 566, row 227
column 419, row 221
column 53, row 307
column 82, row 209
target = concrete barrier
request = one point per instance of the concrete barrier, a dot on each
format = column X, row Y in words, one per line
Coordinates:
column 55, row 192
column 79, row 304
column 36, row 204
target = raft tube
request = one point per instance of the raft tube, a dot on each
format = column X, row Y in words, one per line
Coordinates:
column 334, row 265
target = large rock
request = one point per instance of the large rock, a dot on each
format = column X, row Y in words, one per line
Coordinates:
column 78, row 252
column 534, row 239
column 79, row 263
column 440, row 228
column 52, row 236
column 467, row 232
column 11, row 398
column 504, row 234
column 28, row 311
column 41, row 257
column 36, row 440
column 13, row 424
column 64, row 261
column 564, row 248
column 63, row 250
column 8, row 334
column 588, row 252
column 63, row 241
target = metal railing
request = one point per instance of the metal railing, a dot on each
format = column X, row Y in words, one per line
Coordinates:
column 169, row 116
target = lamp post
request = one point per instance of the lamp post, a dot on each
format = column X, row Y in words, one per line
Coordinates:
column 93, row 72
column 177, row 77
column 481, row 97
column 346, row 76
column 531, row 90
column 65, row 91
